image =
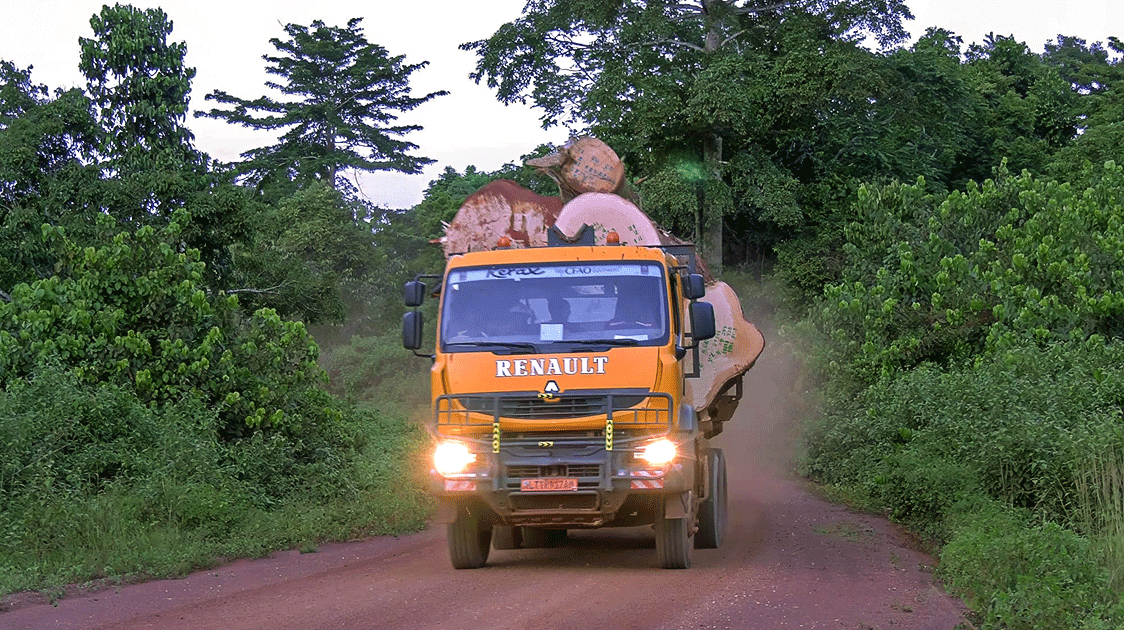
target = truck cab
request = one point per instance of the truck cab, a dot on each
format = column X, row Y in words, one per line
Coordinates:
column 558, row 389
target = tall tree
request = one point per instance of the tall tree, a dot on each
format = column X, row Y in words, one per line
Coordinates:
column 1026, row 109
column 39, row 135
column 676, row 79
column 141, row 87
column 343, row 96
column 17, row 92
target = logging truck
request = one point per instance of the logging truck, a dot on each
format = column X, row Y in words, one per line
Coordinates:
column 582, row 363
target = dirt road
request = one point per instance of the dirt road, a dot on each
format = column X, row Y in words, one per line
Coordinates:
column 790, row 560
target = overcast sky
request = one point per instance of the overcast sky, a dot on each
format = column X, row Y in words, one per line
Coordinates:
column 226, row 40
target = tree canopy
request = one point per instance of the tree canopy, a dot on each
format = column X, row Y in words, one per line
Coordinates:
column 139, row 84
column 750, row 126
column 684, row 89
column 343, row 96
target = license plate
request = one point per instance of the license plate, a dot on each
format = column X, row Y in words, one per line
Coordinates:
column 549, row 484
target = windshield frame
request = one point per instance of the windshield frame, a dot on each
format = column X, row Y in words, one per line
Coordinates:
column 625, row 285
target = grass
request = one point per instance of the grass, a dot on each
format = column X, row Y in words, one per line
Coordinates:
column 1100, row 506
column 180, row 501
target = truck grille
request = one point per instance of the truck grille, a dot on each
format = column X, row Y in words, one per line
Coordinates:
column 628, row 407
column 533, row 407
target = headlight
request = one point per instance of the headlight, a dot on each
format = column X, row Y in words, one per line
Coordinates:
column 452, row 457
column 660, row 452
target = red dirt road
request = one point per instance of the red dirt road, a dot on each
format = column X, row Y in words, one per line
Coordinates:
column 790, row 560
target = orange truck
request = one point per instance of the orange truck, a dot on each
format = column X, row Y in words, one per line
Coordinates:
column 577, row 381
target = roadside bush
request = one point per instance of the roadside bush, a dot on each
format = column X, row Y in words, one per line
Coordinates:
column 920, row 490
column 376, row 371
column 369, row 365
column 1023, row 576
column 76, row 458
column 1019, row 422
column 943, row 279
column 96, row 483
column 135, row 311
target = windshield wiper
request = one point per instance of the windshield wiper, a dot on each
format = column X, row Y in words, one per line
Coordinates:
column 604, row 342
column 493, row 344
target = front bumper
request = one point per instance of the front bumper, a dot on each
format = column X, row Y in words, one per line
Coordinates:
column 607, row 482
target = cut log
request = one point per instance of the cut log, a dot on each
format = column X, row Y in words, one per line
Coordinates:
column 737, row 344
column 726, row 356
column 585, row 165
column 605, row 213
column 591, row 166
column 501, row 208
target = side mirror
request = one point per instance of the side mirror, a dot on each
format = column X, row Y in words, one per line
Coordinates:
column 412, row 326
column 414, row 293
column 694, row 288
column 702, row 321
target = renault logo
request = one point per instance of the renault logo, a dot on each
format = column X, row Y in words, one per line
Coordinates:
column 550, row 391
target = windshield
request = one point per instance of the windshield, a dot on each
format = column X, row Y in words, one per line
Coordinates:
column 526, row 308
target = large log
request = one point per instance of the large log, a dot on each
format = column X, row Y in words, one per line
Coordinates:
column 605, row 213
column 500, row 208
column 725, row 358
column 737, row 344
column 585, row 165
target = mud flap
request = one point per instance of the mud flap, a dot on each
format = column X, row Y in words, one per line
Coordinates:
column 688, row 419
column 678, row 505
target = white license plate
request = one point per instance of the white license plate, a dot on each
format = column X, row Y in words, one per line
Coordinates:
column 549, row 484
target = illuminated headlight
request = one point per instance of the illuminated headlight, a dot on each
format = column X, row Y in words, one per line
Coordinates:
column 451, row 458
column 657, row 453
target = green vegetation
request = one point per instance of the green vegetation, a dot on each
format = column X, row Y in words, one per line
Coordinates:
column 162, row 403
column 150, row 428
column 972, row 361
column 95, row 483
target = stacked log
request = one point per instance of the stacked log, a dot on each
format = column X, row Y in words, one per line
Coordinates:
column 585, row 165
column 500, row 208
column 737, row 344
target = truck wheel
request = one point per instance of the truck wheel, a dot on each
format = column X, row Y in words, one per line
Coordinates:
column 712, row 511
column 469, row 537
column 673, row 542
column 507, row 537
column 534, row 537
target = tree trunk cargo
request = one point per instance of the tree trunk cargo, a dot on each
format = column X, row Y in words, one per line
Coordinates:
column 503, row 208
column 500, row 208
column 723, row 359
column 585, row 165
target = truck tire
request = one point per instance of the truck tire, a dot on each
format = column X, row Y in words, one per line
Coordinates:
column 673, row 542
column 507, row 537
column 712, row 511
column 469, row 537
column 536, row 537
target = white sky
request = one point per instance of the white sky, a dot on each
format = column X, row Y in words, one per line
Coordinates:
column 226, row 40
